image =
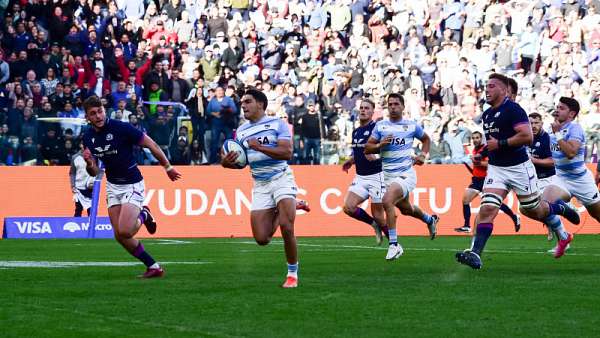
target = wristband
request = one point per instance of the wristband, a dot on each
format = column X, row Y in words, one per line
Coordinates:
column 503, row 143
column 169, row 168
column 559, row 136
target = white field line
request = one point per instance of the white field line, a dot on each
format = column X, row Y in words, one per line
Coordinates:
column 55, row 264
column 325, row 247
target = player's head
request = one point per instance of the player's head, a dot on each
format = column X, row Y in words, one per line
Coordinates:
column 254, row 104
column 477, row 138
column 513, row 88
column 567, row 109
column 94, row 112
column 536, row 123
column 395, row 104
column 365, row 110
column 496, row 89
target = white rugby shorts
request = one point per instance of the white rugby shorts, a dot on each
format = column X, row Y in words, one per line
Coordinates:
column 117, row 194
column 583, row 188
column 407, row 180
column 266, row 194
column 369, row 186
column 520, row 178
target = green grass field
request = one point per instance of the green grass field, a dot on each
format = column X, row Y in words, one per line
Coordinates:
column 231, row 288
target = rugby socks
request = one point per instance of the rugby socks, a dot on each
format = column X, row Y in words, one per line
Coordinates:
column 143, row 256
column 393, row 236
column 484, row 231
column 467, row 215
column 361, row 215
column 557, row 208
column 554, row 223
column 143, row 216
column 508, row 211
column 427, row 218
column 292, row 270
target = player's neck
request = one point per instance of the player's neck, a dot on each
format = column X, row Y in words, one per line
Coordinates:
column 257, row 118
column 364, row 123
column 500, row 102
column 396, row 119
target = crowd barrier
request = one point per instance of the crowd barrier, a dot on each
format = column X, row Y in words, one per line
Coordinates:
column 211, row 201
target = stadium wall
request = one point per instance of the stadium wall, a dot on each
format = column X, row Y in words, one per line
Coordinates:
column 214, row 202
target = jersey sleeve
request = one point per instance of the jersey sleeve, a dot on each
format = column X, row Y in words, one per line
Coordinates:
column 519, row 116
column 375, row 133
column 576, row 133
column 131, row 134
column 419, row 132
column 283, row 131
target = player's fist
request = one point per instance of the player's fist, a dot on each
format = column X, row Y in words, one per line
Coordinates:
column 477, row 158
column 173, row 174
column 387, row 140
column 253, row 144
column 228, row 160
column 87, row 156
column 492, row 144
column 347, row 165
column 419, row 159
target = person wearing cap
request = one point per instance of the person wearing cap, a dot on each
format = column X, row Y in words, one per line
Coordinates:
column 312, row 131
column 209, row 65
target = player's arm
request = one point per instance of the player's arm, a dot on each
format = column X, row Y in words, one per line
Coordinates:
column 426, row 141
column 523, row 137
column 90, row 163
column 348, row 164
column 543, row 162
column 149, row 143
column 72, row 175
column 570, row 148
column 228, row 160
column 283, row 150
column 373, row 146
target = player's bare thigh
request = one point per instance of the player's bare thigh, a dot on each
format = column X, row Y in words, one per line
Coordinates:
column 378, row 212
column 488, row 212
column 124, row 219
column 394, row 193
column 351, row 202
column 594, row 210
column 263, row 225
column 469, row 195
column 554, row 192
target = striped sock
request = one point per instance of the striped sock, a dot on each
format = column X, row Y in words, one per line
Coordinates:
column 293, row 270
column 427, row 218
column 393, row 236
column 554, row 223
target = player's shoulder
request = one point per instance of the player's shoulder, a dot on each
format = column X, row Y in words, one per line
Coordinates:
column 513, row 106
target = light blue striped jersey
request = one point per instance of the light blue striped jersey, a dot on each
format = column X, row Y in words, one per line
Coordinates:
column 397, row 156
column 565, row 167
column 267, row 131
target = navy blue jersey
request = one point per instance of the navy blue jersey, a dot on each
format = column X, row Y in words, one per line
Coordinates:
column 113, row 145
column 500, row 123
column 360, row 136
column 541, row 149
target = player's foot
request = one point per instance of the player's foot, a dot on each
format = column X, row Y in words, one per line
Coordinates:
column 290, row 282
column 150, row 223
column 568, row 212
column 553, row 250
column 394, row 251
column 153, row 273
column 302, row 205
column 517, row 221
column 378, row 232
column 469, row 258
column 561, row 247
column 432, row 227
column 550, row 235
column 463, row 229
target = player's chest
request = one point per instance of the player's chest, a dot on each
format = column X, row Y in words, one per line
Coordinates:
column 361, row 136
column 104, row 145
column 495, row 122
column 267, row 137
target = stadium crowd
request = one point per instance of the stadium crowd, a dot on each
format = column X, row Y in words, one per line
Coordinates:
column 175, row 68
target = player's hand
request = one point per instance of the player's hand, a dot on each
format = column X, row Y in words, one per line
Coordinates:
column 75, row 197
column 372, row 157
column 386, row 140
column 492, row 144
column 228, row 160
column 555, row 126
column 253, row 144
column 87, row 156
column 173, row 174
column 346, row 166
column 419, row 159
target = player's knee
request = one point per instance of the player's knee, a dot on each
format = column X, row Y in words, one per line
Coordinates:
column 125, row 233
column 262, row 240
column 531, row 205
column 405, row 209
column 349, row 209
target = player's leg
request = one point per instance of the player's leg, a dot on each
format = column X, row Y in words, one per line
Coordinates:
column 78, row 209
column 355, row 196
column 392, row 194
column 553, row 193
column 515, row 218
column 286, row 210
column 594, row 210
column 468, row 196
column 263, row 223
column 379, row 215
column 408, row 209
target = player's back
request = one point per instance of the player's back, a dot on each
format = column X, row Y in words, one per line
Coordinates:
column 267, row 131
column 113, row 145
column 565, row 167
column 396, row 157
column 499, row 123
column 540, row 148
column 360, row 136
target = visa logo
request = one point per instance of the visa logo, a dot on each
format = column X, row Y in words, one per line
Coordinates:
column 34, row 227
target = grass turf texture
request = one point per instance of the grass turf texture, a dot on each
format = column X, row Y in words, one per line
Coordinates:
column 347, row 289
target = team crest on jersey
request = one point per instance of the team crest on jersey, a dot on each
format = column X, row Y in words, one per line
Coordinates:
column 93, row 139
column 497, row 114
column 267, row 126
column 537, row 144
column 405, row 128
column 109, row 137
column 366, row 133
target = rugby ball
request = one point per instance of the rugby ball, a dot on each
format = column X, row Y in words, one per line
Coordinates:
column 232, row 145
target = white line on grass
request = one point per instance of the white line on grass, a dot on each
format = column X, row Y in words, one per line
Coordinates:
column 501, row 251
column 48, row 264
column 168, row 242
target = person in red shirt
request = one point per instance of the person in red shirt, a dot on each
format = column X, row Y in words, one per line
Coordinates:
column 479, row 156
